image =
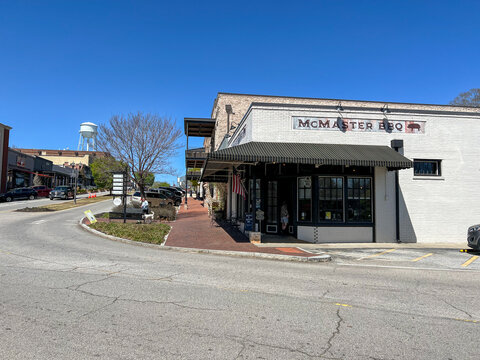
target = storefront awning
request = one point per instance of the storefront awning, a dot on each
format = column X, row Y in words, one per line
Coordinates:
column 199, row 127
column 303, row 153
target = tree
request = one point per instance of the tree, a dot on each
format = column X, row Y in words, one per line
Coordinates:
column 469, row 98
column 149, row 179
column 146, row 143
column 102, row 169
column 158, row 184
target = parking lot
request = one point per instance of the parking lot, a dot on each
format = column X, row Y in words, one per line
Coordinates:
column 428, row 258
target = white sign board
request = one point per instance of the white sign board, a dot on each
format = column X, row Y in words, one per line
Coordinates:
column 118, row 187
column 358, row 125
column 90, row 216
column 117, row 201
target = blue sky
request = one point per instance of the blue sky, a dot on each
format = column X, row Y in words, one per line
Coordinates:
column 66, row 62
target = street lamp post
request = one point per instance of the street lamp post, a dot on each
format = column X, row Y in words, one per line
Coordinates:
column 75, row 176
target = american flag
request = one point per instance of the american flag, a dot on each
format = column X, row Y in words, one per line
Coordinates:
column 237, row 186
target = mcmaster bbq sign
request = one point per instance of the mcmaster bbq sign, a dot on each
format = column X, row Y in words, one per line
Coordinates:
column 360, row 125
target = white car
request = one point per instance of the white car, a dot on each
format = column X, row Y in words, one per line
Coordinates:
column 137, row 197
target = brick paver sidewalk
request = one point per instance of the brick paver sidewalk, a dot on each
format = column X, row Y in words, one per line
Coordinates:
column 193, row 229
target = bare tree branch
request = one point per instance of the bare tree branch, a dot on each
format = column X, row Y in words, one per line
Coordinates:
column 145, row 142
column 469, row 98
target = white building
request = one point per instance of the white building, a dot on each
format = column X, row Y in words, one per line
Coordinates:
column 335, row 164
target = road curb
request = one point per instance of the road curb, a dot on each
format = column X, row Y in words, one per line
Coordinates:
column 243, row 254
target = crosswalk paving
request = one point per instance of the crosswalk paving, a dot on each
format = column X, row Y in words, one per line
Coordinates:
column 421, row 258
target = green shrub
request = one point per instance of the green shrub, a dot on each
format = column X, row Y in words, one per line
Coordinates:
column 149, row 233
column 165, row 212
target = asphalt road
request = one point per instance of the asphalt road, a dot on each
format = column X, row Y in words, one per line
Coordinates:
column 19, row 204
column 66, row 294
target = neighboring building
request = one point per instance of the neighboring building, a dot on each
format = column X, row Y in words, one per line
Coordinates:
column 42, row 169
column 4, row 137
column 20, row 169
column 68, row 159
column 349, row 171
column 23, row 168
column 60, row 157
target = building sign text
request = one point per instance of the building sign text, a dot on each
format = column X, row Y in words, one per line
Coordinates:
column 361, row 125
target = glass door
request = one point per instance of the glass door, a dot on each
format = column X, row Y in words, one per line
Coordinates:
column 272, row 207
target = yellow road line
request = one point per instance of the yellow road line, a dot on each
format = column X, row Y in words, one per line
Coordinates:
column 345, row 305
column 469, row 261
column 378, row 254
column 422, row 257
column 468, row 320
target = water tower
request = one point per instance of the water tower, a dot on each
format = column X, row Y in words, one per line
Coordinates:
column 88, row 136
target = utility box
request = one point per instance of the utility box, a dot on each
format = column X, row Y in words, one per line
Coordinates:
column 255, row 237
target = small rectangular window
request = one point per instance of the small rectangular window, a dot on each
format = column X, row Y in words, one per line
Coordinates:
column 427, row 167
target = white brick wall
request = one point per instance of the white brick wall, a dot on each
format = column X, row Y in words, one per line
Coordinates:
column 432, row 209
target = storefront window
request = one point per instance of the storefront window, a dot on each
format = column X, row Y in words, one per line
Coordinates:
column 330, row 199
column 258, row 194
column 304, row 199
column 272, row 202
column 359, row 201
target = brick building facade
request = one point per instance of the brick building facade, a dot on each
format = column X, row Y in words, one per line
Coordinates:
column 349, row 171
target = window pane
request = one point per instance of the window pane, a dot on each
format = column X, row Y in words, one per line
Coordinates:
column 304, row 192
column 359, row 204
column 308, row 193
column 321, row 182
column 330, row 202
column 426, row 167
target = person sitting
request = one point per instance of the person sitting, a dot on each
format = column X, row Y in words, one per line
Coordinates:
column 144, row 206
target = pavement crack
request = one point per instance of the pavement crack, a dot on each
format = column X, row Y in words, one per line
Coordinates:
column 241, row 350
column 118, row 298
column 76, row 287
column 243, row 342
column 334, row 334
column 456, row 308
column 324, row 294
column 100, row 308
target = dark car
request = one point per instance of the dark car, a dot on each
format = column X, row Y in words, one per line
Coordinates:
column 176, row 191
column 177, row 200
column 61, row 192
column 473, row 237
column 178, row 188
column 156, row 199
column 20, row 193
column 42, row 190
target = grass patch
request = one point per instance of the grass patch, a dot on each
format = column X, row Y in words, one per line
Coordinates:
column 64, row 205
column 148, row 233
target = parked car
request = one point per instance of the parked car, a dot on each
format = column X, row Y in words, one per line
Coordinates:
column 137, row 197
column 62, row 192
column 156, row 199
column 179, row 189
column 473, row 237
column 42, row 190
column 20, row 193
column 177, row 200
column 175, row 191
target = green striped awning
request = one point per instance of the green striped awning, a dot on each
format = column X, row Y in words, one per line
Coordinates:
column 322, row 154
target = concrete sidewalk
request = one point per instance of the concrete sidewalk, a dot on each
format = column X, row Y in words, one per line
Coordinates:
column 194, row 229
